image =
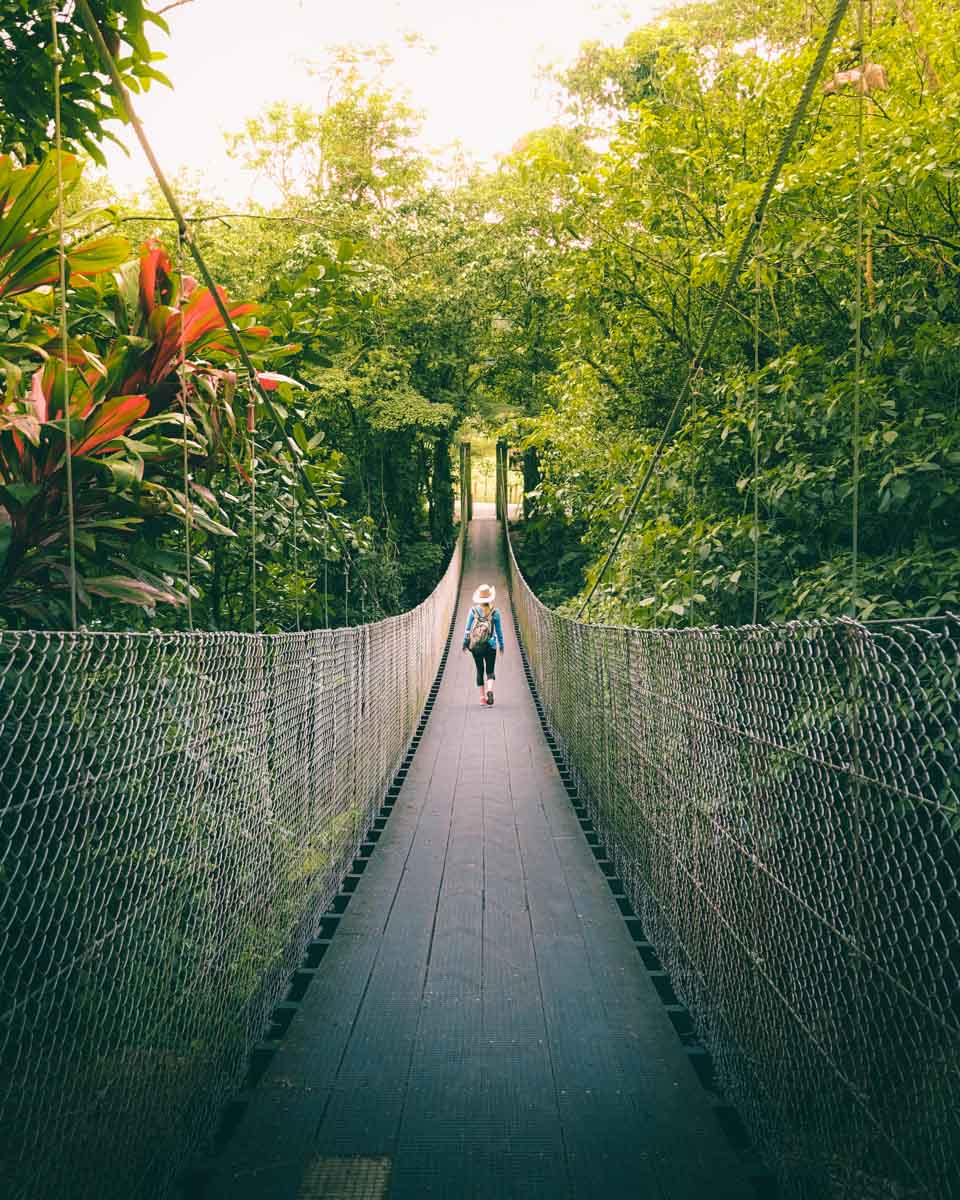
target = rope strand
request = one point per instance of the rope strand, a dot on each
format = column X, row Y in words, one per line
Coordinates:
column 326, row 574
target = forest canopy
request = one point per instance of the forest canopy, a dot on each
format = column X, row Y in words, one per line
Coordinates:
column 556, row 300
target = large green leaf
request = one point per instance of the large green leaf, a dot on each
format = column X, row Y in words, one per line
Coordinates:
column 124, row 472
column 97, row 255
column 19, row 495
column 29, row 237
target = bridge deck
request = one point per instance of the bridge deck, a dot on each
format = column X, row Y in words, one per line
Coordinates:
column 482, row 1026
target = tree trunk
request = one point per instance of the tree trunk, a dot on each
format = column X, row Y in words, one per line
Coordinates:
column 403, row 470
column 441, row 492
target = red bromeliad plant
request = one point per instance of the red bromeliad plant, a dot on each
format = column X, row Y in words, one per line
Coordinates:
column 134, row 403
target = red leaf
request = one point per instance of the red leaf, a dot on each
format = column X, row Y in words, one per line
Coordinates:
column 112, row 419
column 201, row 314
column 168, row 349
column 153, row 261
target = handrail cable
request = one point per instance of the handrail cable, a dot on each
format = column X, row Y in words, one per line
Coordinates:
column 732, row 277
column 296, row 572
column 858, row 327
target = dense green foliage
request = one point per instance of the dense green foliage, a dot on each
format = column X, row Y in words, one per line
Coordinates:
column 559, row 298
column 640, row 241
column 359, row 317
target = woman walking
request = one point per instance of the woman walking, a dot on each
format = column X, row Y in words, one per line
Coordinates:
column 483, row 638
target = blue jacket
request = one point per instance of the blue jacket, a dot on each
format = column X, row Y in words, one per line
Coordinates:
column 496, row 638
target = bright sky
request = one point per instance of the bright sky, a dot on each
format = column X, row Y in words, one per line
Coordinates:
column 227, row 59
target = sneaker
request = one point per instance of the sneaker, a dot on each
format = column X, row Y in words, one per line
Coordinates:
column 490, row 698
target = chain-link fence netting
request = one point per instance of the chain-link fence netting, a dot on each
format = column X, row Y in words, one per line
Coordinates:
column 783, row 805
column 176, row 811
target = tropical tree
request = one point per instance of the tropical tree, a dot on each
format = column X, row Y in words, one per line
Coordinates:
column 358, row 149
column 691, row 110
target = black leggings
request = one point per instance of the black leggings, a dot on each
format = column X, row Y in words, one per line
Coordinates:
column 485, row 656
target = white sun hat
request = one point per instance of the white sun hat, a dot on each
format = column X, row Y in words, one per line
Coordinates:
column 485, row 594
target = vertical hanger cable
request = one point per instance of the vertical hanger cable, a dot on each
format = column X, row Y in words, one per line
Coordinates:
column 64, row 336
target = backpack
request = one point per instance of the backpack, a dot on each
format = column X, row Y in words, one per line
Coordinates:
column 481, row 630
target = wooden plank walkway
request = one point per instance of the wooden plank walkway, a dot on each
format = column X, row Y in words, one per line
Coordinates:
column 482, row 1027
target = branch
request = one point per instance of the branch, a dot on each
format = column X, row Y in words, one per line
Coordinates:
column 633, row 248
column 905, row 236
column 175, row 4
column 194, row 220
column 661, row 318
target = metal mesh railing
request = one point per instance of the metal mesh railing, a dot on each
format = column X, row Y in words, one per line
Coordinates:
column 176, row 811
column 783, row 805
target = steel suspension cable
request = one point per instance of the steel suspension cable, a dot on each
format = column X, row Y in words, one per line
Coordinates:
column 755, row 432
column 756, row 437
column 734, row 274
column 64, row 335
column 252, row 431
column 695, row 389
column 187, row 502
column 858, row 825
column 296, row 565
column 326, row 581
column 656, row 557
column 858, row 329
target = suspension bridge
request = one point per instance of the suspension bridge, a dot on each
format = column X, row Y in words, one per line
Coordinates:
column 292, row 916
